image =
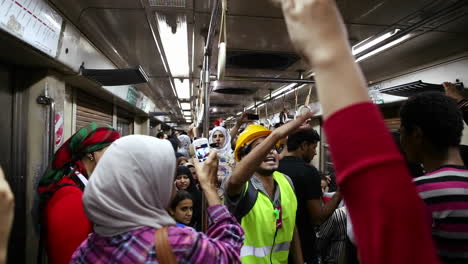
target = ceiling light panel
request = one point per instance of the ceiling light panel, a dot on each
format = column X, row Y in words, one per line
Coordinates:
column 372, row 42
column 383, row 48
column 185, row 106
column 173, row 32
column 168, row 3
column 182, row 88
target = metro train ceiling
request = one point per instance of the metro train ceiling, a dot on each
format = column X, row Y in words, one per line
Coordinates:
column 140, row 32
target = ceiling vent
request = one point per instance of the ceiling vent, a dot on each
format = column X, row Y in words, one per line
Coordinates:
column 113, row 77
column 168, row 3
column 410, row 89
column 224, row 104
column 235, row 90
column 260, row 60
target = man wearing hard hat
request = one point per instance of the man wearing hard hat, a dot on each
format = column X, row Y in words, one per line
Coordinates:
column 262, row 199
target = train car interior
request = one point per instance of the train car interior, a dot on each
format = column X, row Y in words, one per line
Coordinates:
column 145, row 66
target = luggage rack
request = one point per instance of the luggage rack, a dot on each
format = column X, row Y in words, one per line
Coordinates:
column 410, row 89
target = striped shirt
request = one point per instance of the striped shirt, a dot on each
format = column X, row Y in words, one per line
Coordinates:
column 221, row 244
column 445, row 192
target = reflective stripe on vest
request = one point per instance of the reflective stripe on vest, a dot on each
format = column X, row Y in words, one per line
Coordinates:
column 264, row 251
column 260, row 227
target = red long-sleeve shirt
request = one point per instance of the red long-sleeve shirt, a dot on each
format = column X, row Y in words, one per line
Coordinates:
column 66, row 224
column 389, row 218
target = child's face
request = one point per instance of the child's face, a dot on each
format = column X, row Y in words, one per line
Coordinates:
column 183, row 212
column 182, row 181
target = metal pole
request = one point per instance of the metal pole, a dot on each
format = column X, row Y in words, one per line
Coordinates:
column 212, row 28
column 263, row 79
column 206, row 93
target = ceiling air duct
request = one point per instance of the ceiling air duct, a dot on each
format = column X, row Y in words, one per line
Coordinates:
column 279, row 61
column 114, row 77
column 410, row 89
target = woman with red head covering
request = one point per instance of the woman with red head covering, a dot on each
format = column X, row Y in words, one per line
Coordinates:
column 63, row 221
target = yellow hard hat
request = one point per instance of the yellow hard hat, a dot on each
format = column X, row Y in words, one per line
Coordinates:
column 250, row 133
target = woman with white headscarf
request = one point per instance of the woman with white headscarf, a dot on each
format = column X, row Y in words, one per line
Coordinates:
column 184, row 145
column 127, row 197
column 220, row 136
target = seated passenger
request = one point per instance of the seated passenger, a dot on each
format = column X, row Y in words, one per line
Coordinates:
column 181, row 208
column 127, row 197
column 7, row 206
column 64, row 224
column 431, row 130
column 262, row 198
column 185, row 181
column 389, row 219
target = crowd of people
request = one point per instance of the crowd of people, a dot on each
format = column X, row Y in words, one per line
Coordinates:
column 141, row 199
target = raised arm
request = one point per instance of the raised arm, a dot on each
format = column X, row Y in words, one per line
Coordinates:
column 389, row 228
column 246, row 167
column 243, row 119
column 7, row 205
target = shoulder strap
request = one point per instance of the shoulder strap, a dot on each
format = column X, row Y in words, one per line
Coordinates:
column 247, row 202
column 163, row 248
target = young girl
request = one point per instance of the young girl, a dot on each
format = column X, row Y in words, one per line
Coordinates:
column 181, row 208
column 184, row 181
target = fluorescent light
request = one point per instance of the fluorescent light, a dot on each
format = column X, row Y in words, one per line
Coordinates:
column 250, row 107
column 185, row 106
column 175, row 45
column 240, row 113
column 183, row 88
column 385, row 47
column 368, row 43
column 280, row 91
column 260, row 105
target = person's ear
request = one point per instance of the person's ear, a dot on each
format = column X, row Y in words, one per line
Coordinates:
column 171, row 212
column 90, row 156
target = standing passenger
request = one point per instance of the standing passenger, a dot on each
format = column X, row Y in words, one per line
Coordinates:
column 431, row 130
column 306, row 179
column 64, row 223
column 262, row 198
column 184, row 145
column 184, row 181
column 389, row 217
column 181, row 208
column 222, row 138
column 127, row 197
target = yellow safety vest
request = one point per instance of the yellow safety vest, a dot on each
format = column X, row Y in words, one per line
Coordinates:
column 262, row 238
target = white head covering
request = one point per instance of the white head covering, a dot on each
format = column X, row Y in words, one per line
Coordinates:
column 131, row 186
column 226, row 148
column 184, row 145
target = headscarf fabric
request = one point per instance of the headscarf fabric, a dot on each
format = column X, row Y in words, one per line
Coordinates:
column 226, row 148
column 67, row 159
column 184, row 145
column 131, row 186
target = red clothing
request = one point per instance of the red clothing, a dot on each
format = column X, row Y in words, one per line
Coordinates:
column 389, row 218
column 66, row 223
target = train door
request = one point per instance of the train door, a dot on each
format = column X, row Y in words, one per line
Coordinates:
column 12, row 159
column 92, row 109
column 124, row 122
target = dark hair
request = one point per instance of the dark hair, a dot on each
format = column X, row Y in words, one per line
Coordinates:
column 181, row 170
column 308, row 135
column 437, row 116
column 180, row 196
column 160, row 135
